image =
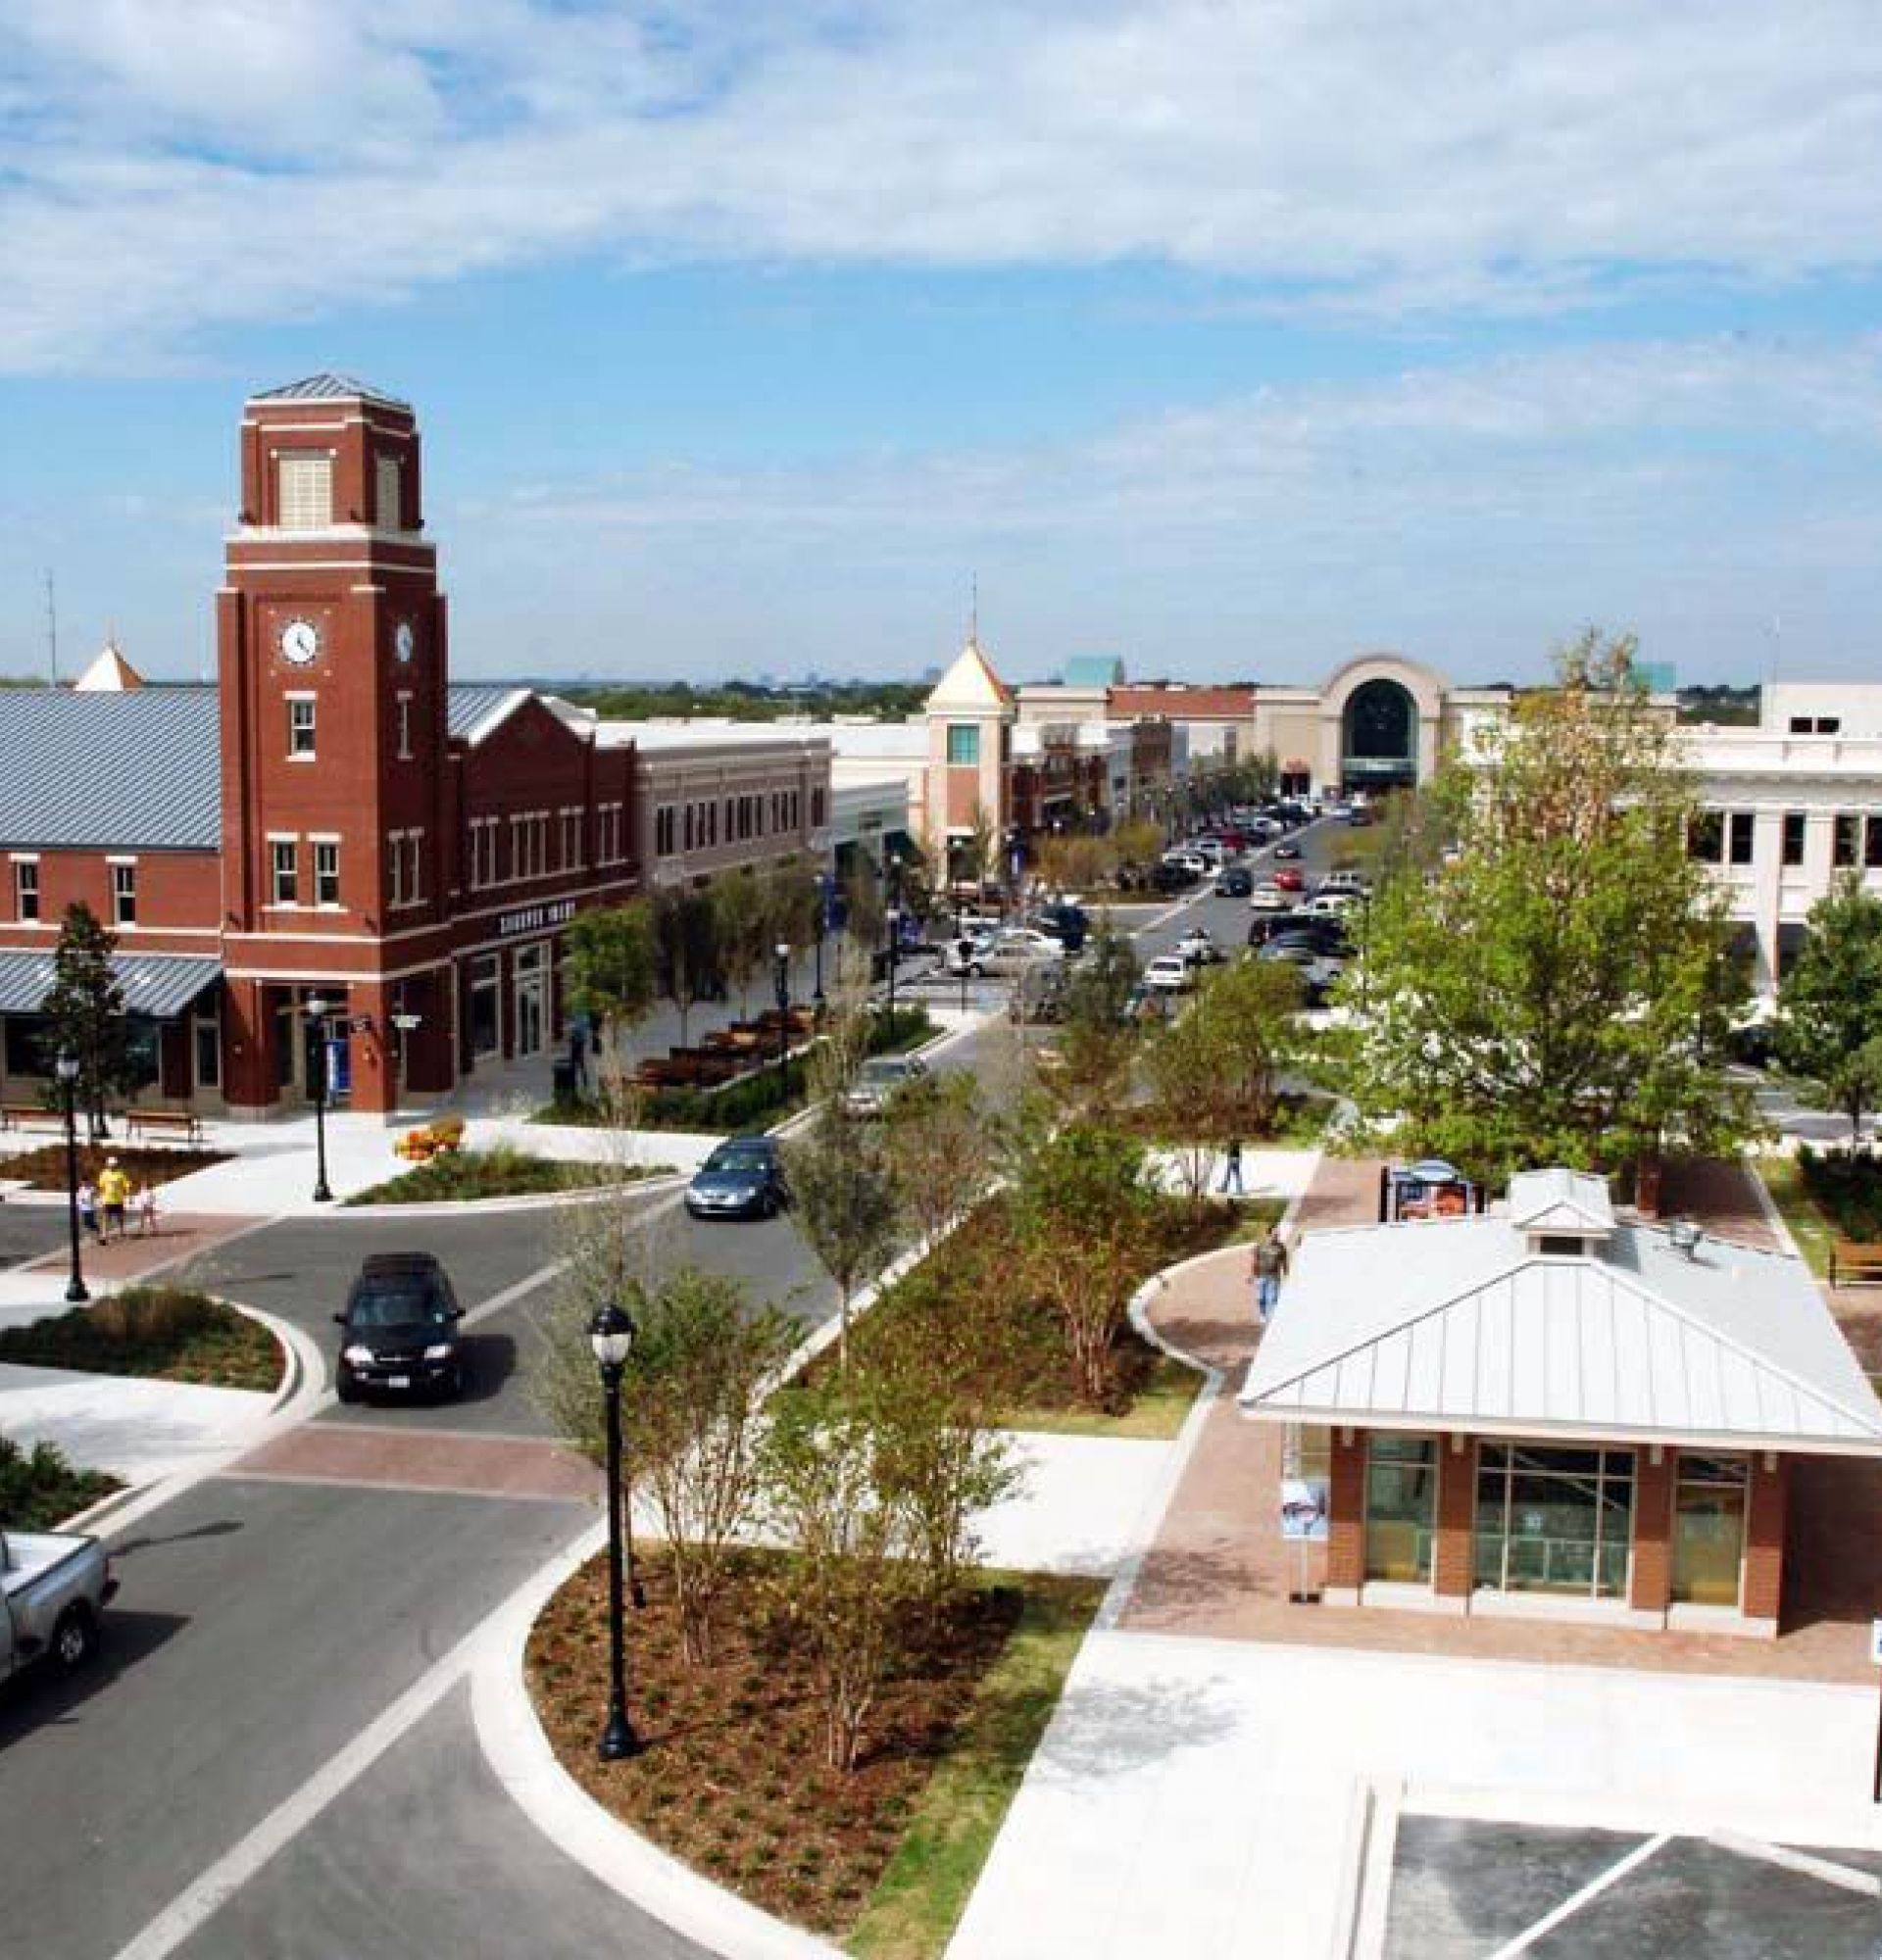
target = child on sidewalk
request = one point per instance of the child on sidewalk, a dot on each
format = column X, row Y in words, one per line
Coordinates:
column 146, row 1202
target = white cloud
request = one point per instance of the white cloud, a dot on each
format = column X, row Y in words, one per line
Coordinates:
column 169, row 165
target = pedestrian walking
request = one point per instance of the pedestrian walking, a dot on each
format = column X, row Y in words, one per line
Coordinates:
column 1267, row 1267
column 113, row 1193
column 1233, row 1166
column 88, row 1209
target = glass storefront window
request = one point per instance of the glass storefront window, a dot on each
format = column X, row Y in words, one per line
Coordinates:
column 1401, row 1507
column 1553, row 1520
column 1711, row 1500
column 486, row 1007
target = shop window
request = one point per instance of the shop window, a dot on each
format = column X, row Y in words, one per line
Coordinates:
column 1401, row 1507
column 1740, row 832
column 284, row 866
column 1872, row 843
column 1794, row 829
column 1843, row 845
column 1711, row 1500
column 486, row 1007
column 1706, row 839
column 327, row 872
column 123, row 893
column 28, row 1039
column 963, row 745
column 303, row 491
column 1553, row 1520
column 300, row 724
column 26, row 889
column 207, row 1036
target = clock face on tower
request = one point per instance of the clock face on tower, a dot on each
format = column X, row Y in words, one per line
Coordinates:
column 402, row 642
column 300, row 642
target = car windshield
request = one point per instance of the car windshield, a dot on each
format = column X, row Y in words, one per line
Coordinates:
column 884, row 1072
column 738, row 1157
column 397, row 1307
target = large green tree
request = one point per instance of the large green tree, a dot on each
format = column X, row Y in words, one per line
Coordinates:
column 686, row 948
column 84, row 1014
column 612, row 965
column 1829, row 1022
column 1559, row 986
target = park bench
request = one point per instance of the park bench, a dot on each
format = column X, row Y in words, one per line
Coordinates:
column 183, row 1123
column 30, row 1115
column 1852, row 1262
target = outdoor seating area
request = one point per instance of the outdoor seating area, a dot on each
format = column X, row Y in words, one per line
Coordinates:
column 1854, row 1263
column 728, row 1053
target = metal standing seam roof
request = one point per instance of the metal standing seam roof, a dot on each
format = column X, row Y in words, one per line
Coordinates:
column 154, row 983
column 472, row 709
column 1455, row 1325
column 134, row 771
column 327, row 387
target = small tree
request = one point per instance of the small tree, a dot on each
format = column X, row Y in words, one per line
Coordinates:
column 847, row 1580
column 1829, row 1021
column 741, row 932
column 686, row 943
column 979, row 851
column 936, row 1136
column 865, row 909
column 612, row 971
column 1081, row 1204
column 843, row 1193
column 792, row 905
column 84, row 1014
column 1099, row 1040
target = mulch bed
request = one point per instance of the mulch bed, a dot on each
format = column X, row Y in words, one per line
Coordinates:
column 732, row 1778
column 44, row 1168
column 162, row 1335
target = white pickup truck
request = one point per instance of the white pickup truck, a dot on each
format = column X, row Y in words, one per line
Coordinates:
column 53, row 1589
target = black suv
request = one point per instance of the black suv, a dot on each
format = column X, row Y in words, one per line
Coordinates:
column 399, row 1332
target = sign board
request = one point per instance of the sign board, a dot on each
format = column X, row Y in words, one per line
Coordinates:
column 360, row 1024
column 339, row 1071
column 1304, row 1508
column 1875, row 1641
column 535, row 919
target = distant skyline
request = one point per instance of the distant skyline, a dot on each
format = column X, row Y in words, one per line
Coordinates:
column 1231, row 339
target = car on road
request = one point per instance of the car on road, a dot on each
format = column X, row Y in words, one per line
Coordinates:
column 53, row 1589
column 879, row 1079
column 1324, row 934
column 743, row 1178
column 1198, row 949
column 398, row 1330
column 1317, row 970
column 1290, row 879
column 1284, row 852
column 1005, row 951
column 1355, row 882
column 1168, row 973
column 1068, row 924
column 1176, row 875
column 1237, row 882
column 1268, row 896
column 1330, row 904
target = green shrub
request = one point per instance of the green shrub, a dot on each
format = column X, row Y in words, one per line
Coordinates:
column 172, row 1333
column 39, row 1488
column 1846, row 1187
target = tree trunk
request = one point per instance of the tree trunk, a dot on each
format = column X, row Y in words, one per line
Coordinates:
column 1647, row 1176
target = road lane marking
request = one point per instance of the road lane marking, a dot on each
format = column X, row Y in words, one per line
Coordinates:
column 213, row 1888
column 1575, row 1901
column 1826, row 1869
column 407, row 1486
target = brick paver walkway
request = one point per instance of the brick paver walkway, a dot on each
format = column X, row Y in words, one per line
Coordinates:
column 180, row 1236
column 417, row 1459
column 1218, row 1567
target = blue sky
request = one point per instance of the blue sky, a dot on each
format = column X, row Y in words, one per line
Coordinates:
column 1232, row 338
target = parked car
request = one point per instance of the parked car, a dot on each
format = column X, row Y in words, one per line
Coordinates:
column 1068, row 924
column 1174, row 875
column 743, row 1178
column 1287, row 851
column 1199, row 949
column 1289, row 878
column 54, row 1586
column 1168, row 973
column 1322, row 934
column 1330, row 904
column 1191, row 861
column 1237, row 882
column 398, row 1330
column 1268, row 896
column 1357, row 819
column 1355, row 882
column 879, row 1079
column 1317, row 970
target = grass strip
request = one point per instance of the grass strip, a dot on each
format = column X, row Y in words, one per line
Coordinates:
column 1159, row 1407
column 921, row 1894
column 1812, row 1232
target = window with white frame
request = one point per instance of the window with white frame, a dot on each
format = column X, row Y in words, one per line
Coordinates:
column 390, row 486
column 285, row 871
column 300, row 724
column 26, row 889
column 303, row 490
column 571, row 838
column 395, row 867
column 664, row 831
column 414, row 867
column 124, row 891
column 402, row 705
column 326, row 871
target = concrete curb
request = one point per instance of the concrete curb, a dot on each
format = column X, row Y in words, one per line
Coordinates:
column 520, row 1756
column 535, row 1201
column 1367, row 1853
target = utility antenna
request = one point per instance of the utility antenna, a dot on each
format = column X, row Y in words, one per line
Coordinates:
column 52, row 628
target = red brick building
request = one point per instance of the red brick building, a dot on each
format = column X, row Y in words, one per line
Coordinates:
column 1553, row 1410
column 332, row 821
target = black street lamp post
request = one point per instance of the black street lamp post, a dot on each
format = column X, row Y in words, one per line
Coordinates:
column 611, row 1334
column 316, row 1011
column 893, row 919
column 782, row 983
column 822, row 920
column 67, row 1070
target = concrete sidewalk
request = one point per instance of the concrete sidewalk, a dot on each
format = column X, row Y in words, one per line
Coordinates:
column 138, row 1430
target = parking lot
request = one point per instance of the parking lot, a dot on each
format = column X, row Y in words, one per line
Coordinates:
column 1465, row 1890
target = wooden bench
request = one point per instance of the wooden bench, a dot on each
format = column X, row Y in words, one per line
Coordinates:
column 185, row 1123
column 1852, row 1262
column 30, row 1115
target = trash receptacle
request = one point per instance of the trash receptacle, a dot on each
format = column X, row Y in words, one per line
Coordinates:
column 563, row 1075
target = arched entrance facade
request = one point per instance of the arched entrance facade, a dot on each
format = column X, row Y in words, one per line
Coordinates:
column 1379, row 722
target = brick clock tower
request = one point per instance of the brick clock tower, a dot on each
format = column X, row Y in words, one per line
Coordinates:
column 331, row 631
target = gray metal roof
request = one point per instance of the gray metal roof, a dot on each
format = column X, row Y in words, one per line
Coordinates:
column 154, row 983
column 328, row 388
column 472, row 709
column 1457, row 1325
column 139, row 771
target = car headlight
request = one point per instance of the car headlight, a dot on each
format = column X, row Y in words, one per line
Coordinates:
column 356, row 1355
column 439, row 1350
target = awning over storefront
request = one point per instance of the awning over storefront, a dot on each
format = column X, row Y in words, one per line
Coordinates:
column 154, row 983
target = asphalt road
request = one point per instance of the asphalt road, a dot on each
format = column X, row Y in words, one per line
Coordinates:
column 263, row 1625
column 28, row 1230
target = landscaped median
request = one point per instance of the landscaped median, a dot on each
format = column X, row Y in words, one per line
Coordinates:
column 464, row 1177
